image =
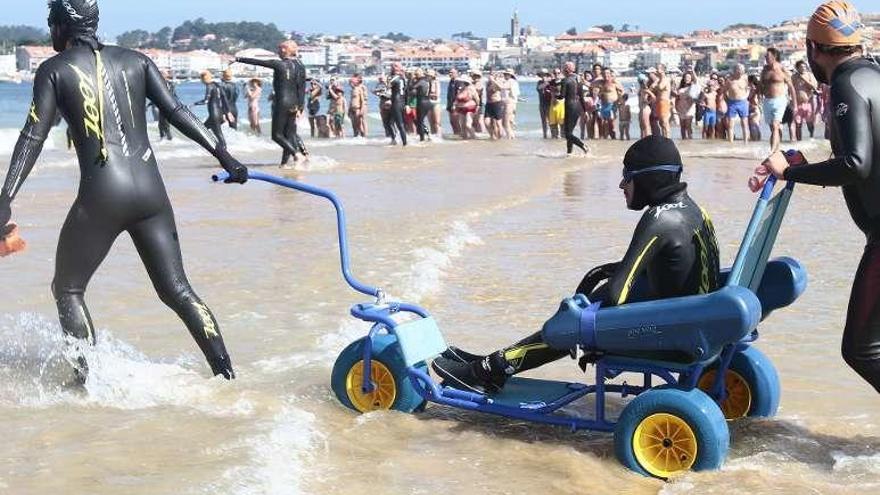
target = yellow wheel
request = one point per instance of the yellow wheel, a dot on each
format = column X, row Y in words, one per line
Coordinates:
column 664, row 445
column 739, row 393
column 384, row 392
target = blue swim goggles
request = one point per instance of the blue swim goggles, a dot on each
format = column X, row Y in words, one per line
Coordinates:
column 629, row 174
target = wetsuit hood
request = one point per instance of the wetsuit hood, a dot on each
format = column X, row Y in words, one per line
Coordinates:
column 656, row 166
column 75, row 22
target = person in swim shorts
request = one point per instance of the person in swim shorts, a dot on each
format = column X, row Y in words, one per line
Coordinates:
column 709, row 100
column 805, row 87
column 674, row 246
column 102, row 91
column 836, row 57
column 611, row 92
column 778, row 92
column 737, row 93
column 556, row 117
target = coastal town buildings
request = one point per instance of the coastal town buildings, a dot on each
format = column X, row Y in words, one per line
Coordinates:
column 523, row 49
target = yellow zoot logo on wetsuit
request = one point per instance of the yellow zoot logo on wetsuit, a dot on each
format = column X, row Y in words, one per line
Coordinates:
column 91, row 114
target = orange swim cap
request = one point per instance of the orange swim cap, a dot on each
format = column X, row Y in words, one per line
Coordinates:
column 836, row 23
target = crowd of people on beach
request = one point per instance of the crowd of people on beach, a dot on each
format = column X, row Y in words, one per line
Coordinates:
column 594, row 104
column 715, row 103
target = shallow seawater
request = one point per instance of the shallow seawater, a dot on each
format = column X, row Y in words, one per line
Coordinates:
column 489, row 236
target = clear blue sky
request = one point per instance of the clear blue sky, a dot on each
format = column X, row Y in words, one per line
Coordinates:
column 438, row 17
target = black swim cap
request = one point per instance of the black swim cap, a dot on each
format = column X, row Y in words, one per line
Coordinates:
column 655, row 166
column 81, row 14
column 651, row 151
column 77, row 21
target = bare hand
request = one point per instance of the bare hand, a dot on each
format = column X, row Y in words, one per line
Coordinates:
column 776, row 164
column 230, row 118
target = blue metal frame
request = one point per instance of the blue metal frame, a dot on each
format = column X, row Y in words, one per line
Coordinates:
column 381, row 315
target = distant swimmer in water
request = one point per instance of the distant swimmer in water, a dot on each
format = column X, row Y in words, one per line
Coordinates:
column 289, row 84
column 835, row 55
column 218, row 107
column 673, row 246
column 101, row 91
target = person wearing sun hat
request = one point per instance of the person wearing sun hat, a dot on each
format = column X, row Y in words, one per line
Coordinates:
column 836, row 57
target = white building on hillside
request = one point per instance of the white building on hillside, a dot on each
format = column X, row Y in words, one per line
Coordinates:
column 29, row 58
column 162, row 58
column 244, row 70
column 191, row 64
column 620, row 61
column 7, row 65
column 650, row 58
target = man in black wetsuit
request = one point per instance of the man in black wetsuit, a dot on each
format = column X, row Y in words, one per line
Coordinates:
column 218, row 107
column 421, row 90
column 289, row 86
column 574, row 98
column 164, row 125
column 834, row 38
column 101, row 91
column 545, row 99
column 230, row 91
column 397, row 83
column 451, row 92
column 674, row 247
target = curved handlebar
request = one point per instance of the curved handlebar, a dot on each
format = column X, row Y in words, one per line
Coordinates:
column 340, row 223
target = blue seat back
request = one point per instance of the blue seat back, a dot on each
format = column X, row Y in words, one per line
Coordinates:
column 751, row 260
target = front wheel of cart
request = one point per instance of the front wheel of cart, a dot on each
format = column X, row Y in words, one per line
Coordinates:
column 667, row 431
column 391, row 385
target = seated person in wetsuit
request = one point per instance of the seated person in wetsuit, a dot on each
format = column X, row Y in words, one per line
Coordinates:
column 673, row 247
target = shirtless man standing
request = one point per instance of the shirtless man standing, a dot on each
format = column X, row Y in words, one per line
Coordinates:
column 336, row 112
column 611, row 91
column 805, row 86
column 778, row 91
column 661, row 87
column 737, row 92
column 357, row 109
column 709, row 100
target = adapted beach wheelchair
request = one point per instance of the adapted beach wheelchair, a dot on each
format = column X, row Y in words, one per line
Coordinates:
column 693, row 357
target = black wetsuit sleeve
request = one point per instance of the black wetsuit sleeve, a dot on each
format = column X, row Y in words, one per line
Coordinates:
column 205, row 100
column 33, row 135
column 177, row 113
column 855, row 142
column 224, row 102
column 644, row 247
column 595, row 276
column 301, row 85
column 272, row 64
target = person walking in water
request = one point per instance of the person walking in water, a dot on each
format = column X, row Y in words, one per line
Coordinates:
column 836, row 57
column 572, row 95
column 231, row 92
column 218, row 107
column 778, row 92
column 289, row 85
column 101, row 91
column 254, row 93
column 397, row 84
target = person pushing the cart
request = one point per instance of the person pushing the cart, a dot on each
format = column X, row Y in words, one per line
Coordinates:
column 674, row 248
column 835, row 55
